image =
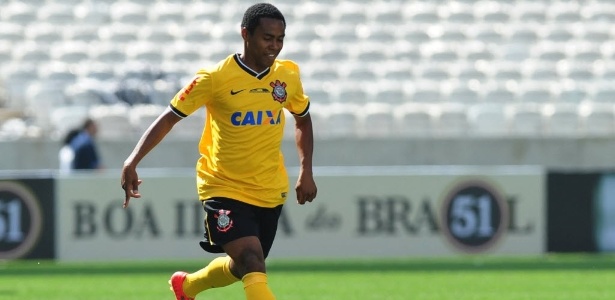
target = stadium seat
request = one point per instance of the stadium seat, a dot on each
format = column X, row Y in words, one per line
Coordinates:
column 66, row 118
column 597, row 33
column 421, row 12
column 531, row 12
column 549, row 51
column 576, row 71
column 561, row 119
column 128, row 13
column 564, row 12
column 522, row 35
column 424, row 92
column 17, row 77
column 348, row 13
column 166, row 12
column 56, row 13
column 415, row 34
column 465, row 72
column 457, row 13
column 376, row 120
column 390, row 92
column 384, row 14
column 369, row 52
column 397, row 71
column 80, row 33
column 70, row 52
column 540, row 71
column 486, row 33
column 462, row 93
column 312, row 13
column 572, row 92
column 119, row 34
column 18, row 13
column 603, row 92
column 496, row 12
column 143, row 115
column 533, row 92
column 30, row 52
column 42, row 98
column 341, row 121
column 477, row 51
column 599, row 13
column 500, row 93
column 598, row 119
column 353, row 93
column 145, row 52
column 377, row 34
column 107, row 53
column 182, row 52
column 488, row 119
column 161, row 34
column 434, row 72
column 327, row 52
column 451, row 120
column 113, row 121
column 507, row 71
column 584, row 52
column 557, row 33
column 6, row 53
column 439, row 52
column 199, row 12
column 414, row 119
column 42, row 33
column 96, row 71
column 526, row 119
column 92, row 13
column 11, row 32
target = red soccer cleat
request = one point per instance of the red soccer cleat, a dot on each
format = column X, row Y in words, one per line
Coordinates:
column 176, row 282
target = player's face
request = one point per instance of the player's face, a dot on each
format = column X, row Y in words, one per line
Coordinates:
column 263, row 46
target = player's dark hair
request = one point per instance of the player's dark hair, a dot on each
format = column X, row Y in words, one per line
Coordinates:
column 254, row 13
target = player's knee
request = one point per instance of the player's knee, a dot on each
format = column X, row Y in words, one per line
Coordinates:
column 249, row 261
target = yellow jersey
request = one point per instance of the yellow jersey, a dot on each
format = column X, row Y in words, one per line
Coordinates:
column 240, row 146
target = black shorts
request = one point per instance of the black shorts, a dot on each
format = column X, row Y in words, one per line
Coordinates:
column 227, row 220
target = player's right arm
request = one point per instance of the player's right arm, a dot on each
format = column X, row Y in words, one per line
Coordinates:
column 151, row 137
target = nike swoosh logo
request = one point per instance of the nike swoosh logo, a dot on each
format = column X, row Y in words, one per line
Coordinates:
column 236, row 92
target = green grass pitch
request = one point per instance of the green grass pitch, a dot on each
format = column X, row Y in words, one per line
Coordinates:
column 549, row 277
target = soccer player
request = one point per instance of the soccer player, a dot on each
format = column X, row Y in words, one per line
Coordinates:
column 241, row 178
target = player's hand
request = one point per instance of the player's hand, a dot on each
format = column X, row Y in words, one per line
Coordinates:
column 130, row 184
column 305, row 189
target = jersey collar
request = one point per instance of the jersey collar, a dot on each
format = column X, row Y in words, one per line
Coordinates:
column 250, row 71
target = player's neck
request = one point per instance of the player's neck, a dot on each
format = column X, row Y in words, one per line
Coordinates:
column 250, row 63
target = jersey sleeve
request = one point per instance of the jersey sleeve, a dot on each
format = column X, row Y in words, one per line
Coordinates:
column 193, row 95
column 298, row 103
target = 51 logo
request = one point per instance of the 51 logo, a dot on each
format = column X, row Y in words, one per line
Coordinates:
column 20, row 220
column 474, row 216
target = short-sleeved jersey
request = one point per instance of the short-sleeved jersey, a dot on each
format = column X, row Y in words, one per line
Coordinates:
column 240, row 147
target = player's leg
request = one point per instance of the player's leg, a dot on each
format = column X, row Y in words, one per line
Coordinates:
column 248, row 261
column 221, row 216
column 249, row 253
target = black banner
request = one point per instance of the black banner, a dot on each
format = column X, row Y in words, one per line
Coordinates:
column 571, row 211
column 27, row 225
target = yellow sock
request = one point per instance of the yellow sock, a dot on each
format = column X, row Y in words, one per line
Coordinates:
column 256, row 288
column 216, row 274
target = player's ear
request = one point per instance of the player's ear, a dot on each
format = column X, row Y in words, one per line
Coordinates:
column 244, row 33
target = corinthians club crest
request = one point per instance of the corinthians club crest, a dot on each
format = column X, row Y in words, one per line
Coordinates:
column 279, row 91
column 224, row 221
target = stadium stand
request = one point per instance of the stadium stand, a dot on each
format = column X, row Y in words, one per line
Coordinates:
column 442, row 62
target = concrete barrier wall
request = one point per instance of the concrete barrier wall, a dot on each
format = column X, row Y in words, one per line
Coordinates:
column 554, row 153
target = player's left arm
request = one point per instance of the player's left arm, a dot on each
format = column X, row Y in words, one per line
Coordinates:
column 306, row 186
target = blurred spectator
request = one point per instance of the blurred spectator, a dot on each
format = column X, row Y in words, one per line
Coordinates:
column 66, row 155
column 84, row 147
